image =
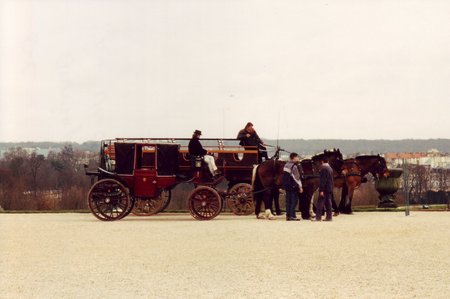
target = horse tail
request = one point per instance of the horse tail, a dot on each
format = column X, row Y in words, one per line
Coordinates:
column 256, row 182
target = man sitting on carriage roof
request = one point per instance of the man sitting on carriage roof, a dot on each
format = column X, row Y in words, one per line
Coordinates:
column 196, row 149
column 249, row 138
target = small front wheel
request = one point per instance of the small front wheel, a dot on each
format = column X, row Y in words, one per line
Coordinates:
column 204, row 203
column 109, row 200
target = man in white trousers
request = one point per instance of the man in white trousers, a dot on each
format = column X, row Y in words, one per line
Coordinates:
column 196, row 149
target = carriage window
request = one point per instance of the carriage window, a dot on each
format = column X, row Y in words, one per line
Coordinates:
column 146, row 157
column 124, row 157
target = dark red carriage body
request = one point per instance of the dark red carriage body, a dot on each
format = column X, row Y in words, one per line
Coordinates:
column 144, row 168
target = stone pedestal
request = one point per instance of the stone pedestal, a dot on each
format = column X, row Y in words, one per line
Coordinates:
column 387, row 187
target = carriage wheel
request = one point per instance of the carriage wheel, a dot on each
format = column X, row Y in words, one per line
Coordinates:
column 240, row 199
column 204, row 203
column 166, row 201
column 151, row 206
column 108, row 200
column 130, row 208
column 146, row 206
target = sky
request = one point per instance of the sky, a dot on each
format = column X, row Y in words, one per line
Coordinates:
column 78, row 70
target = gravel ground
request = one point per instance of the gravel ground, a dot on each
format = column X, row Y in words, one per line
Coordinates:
column 366, row 255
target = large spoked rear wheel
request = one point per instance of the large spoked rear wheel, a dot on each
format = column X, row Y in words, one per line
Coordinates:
column 109, row 200
column 166, row 200
column 240, row 199
column 204, row 203
column 151, row 206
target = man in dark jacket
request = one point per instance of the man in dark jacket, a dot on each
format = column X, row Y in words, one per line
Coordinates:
column 325, row 191
column 249, row 138
column 292, row 185
column 196, row 149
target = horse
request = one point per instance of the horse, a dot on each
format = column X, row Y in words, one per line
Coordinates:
column 354, row 171
column 310, row 181
column 267, row 178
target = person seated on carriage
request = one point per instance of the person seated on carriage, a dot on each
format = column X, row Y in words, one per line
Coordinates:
column 107, row 156
column 196, row 149
column 249, row 138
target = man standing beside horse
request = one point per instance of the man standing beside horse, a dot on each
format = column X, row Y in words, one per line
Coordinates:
column 325, row 190
column 292, row 185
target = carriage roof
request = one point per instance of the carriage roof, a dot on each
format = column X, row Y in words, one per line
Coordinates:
column 127, row 153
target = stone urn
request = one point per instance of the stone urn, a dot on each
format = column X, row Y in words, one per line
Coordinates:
column 387, row 187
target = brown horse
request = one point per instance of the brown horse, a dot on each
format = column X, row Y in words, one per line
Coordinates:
column 354, row 172
column 311, row 181
column 266, row 183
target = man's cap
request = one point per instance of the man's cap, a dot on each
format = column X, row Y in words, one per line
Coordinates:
column 198, row 132
column 248, row 124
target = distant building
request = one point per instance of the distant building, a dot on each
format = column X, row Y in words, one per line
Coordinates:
column 432, row 158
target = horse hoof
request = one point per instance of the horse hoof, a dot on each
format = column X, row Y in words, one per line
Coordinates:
column 261, row 216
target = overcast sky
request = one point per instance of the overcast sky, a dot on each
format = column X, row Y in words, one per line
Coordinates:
column 87, row 70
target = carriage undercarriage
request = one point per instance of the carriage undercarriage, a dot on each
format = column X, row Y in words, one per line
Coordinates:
column 109, row 200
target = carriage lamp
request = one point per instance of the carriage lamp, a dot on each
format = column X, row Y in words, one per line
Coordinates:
column 198, row 162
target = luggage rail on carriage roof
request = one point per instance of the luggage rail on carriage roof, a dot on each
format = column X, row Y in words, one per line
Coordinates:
column 221, row 142
column 168, row 139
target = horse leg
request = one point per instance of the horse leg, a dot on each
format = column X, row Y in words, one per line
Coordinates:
column 276, row 199
column 268, row 204
column 311, row 206
column 343, row 203
column 258, row 202
column 334, row 205
column 348, row 207
column 302, row 204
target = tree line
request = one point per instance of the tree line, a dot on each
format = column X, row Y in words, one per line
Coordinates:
column 29, row 181
column 427, row 185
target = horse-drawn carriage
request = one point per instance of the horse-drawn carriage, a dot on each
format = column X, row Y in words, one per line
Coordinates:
column 137, row 176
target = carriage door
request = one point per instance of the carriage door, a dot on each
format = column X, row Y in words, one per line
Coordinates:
column 145, row 181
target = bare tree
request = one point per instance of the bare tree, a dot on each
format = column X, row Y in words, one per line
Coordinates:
column 442, row 178
column 35, row 162
column 419, row 181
